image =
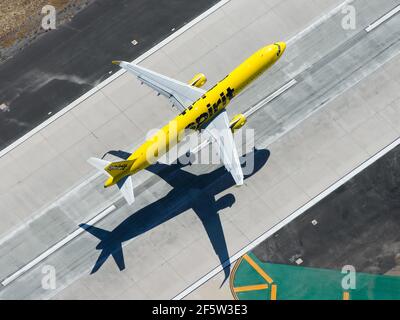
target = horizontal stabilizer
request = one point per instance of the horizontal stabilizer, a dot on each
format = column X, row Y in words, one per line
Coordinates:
column 115, row 170
column 125, row 185
column 100, row 164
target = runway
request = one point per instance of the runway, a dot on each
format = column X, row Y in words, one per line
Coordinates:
column 69, row 61
column 176, row 232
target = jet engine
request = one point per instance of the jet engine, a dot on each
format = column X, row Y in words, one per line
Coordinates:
column 198, row 80
column 237, row 122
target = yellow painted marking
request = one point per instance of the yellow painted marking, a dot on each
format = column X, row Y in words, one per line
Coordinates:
column 256, row 267
column 274, row 289
column 232, row 277
column 346, row 295
column 251, row 288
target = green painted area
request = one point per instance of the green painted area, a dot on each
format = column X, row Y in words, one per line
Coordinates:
column 302, row 283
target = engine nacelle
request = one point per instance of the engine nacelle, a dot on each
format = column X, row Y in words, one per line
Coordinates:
column 237, row 122
column 198, row 80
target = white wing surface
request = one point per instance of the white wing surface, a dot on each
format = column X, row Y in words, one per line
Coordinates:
column 181, row 95
column 220, row 134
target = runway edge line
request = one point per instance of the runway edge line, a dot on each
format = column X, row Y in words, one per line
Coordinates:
column 270, row 98
column 57, row 246
column 383, row 19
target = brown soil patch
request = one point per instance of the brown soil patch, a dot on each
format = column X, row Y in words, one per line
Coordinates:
column 21, row 20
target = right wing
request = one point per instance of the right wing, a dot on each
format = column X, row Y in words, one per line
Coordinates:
column 220, row 134
column 181, row 95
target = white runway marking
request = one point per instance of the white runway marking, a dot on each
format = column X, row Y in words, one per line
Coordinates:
column 57, row 246
column 287, row 220
column 386, row 17
column 318, row 22
column 271, row 97
column 112, row 78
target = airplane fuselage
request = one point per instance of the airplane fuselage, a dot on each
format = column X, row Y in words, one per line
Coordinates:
column 202, row 111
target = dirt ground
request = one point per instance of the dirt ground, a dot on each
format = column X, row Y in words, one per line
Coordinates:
column 20, row 21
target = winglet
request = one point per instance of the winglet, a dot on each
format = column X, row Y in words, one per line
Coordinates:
column 116, row 62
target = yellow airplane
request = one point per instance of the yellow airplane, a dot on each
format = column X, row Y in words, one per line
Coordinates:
column 200, row 110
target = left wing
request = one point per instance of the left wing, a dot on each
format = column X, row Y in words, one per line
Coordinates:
column 220, row 134
column 181, row 95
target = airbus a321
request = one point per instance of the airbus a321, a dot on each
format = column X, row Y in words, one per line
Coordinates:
column 200, row 110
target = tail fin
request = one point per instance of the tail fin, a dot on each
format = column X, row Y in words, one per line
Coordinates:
column 115, row 170
column 112, row 169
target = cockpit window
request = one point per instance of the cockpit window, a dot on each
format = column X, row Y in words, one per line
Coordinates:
column 279, row 49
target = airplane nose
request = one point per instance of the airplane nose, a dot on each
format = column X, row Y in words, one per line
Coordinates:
column 281, row 48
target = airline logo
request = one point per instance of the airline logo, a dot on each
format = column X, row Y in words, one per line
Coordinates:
column 118, row 167
column 212, row 109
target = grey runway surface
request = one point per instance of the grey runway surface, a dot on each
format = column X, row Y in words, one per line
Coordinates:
column 176, row 232
column 357, row 225
column 69, row 61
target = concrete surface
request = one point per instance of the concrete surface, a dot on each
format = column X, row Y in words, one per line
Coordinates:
column 169, row 239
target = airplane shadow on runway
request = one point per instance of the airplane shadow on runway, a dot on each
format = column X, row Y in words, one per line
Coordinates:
column 189, row 192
